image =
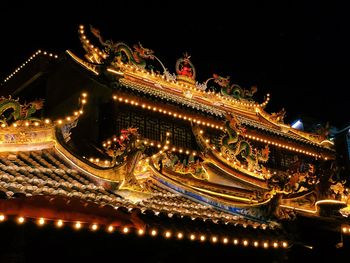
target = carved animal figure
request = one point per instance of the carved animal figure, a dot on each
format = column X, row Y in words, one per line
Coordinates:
column 235, row 145
column 19, row 112
column 278, row 116
column 122, row 145
column 122, row 52
column 233, row 90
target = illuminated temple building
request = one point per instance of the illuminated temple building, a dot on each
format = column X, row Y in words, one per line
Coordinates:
column 123, row 146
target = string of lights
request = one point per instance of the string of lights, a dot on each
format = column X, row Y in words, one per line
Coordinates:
column 147, row 142
column 28, row 123
column 39, row 52
column 150, row 231
column 206, row 123
column 178, row 115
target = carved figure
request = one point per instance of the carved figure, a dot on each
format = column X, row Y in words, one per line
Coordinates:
column 19, row 112
column 234, row 145
column 233, row 90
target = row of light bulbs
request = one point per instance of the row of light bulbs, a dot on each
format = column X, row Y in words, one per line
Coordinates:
column 154, row 232
column 98, row 161
column 158, row 144
column 48, row 121
column 87, row 42
column 262, row 105
column 208, row 124
column 27, row 61
column 284, row 146
column 75, row 113
column 165, row 112
column 26, row 124
column 166, row 147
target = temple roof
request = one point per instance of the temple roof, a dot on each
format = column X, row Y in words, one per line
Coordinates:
column 129, row 69
column 45, row 172
column 226, row 195
column 46, row 175
column 41, row 179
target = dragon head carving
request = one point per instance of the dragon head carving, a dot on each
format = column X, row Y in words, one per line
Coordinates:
column 233, row 90
column 278, row 116
column 222, row 81
column 144, row 52
column 235, row 123
column 37, row 104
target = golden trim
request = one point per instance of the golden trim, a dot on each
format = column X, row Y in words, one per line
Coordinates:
column 112, row 174
column 224, row 202
column 81, row 62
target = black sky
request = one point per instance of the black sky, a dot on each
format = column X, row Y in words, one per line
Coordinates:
column 298, row 51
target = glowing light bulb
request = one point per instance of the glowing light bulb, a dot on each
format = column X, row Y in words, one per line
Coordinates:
column 77, row 225
column 59, row 223
column 20, row 220
column 41, row 221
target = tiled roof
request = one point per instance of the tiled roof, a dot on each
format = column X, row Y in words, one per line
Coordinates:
column 45, row 173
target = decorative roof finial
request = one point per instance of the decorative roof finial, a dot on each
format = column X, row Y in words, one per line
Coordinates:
column 185, row 70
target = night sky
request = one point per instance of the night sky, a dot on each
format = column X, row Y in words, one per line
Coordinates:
column 297, row 52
